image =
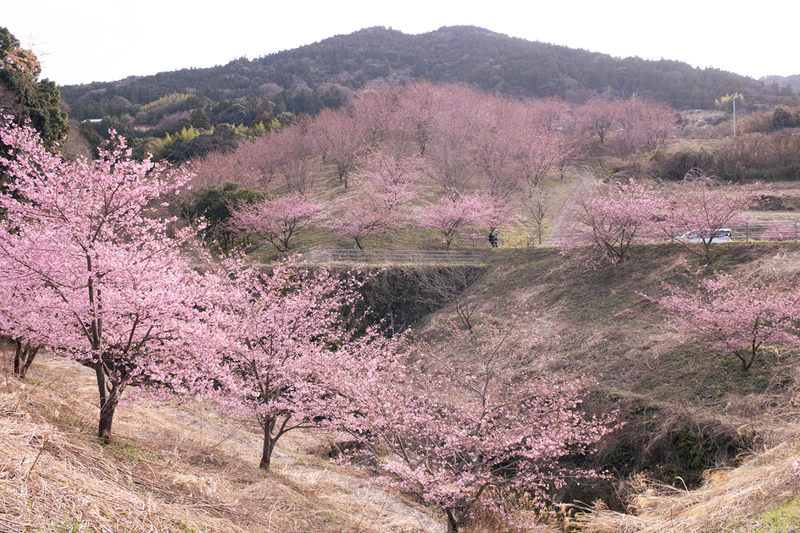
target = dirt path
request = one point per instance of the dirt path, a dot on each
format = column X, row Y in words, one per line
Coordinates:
column 562, row 217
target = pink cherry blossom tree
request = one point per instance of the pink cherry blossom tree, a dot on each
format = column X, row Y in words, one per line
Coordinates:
column 596, row 117
column 27, row 313
column 276, row 221
column 287, row 347
column 449, row 159
column 252, row 165
column 377, row 107
column 471, row 435
column 702, row 205
column 572, row 140
column 449, row 216
column 385, row 185
column 126, row 304
column 499, row 213
column 291, row 155
column 496, row 148
column 608, row 218
column 342, row 140
column 545, row 140
column 640, row 124
column 420, row 103
column 737, row 318
column 535, row 209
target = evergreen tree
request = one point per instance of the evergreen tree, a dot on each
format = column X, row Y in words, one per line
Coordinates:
column 26, row 97
column 199, row 120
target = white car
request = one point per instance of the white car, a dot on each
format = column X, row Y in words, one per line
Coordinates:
column 720, row 235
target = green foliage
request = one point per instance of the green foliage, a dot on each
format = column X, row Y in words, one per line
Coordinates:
column 253, row 131
column 726, row 101
column 200, row 121
column 784, row 118
column 161, row 148
column 166, row 100
column 213, row 205
column 91, row 109
column 783, row 519
column 89, row 133
column 284, row 118
column 7, row 41
column 223, row 139
column 30, row 99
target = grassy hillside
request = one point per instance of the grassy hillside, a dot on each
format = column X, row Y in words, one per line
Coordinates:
column 686, row 413
column 171, row 469
column 686, row 410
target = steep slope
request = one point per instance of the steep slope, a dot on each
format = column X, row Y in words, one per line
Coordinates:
column 170, row 469
column 686, row 411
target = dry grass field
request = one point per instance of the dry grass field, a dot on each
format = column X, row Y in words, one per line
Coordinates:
column 170, row 469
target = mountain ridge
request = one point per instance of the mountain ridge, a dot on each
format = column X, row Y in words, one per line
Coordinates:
column 469, row 54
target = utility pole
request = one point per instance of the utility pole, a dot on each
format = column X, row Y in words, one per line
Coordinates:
column 734, row 113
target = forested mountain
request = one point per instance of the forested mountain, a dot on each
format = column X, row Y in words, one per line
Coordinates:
column 321, row 74
column 782, row 83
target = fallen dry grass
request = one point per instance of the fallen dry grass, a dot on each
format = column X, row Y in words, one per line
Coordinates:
column 783, row 266
column 727, row 497
column 170, row 469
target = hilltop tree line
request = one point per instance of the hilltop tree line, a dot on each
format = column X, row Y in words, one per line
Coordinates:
column 247, row 97
column 473, row 55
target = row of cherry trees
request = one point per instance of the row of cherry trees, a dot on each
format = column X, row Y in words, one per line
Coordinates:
column 91, row 270
column 606, row 217
column 731, row 315
column 444, row 142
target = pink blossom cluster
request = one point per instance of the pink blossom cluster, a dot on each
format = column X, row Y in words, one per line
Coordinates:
column 91, row 269
column 111, row 287
column 735, row 317
column 608, row 218
column 469, row 436
column 276, row 220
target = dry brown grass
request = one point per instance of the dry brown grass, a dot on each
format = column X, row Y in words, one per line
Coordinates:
column 766, row 480
column 170, row 469
column 783, row 266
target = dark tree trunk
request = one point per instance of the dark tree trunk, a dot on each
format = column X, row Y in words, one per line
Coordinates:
column 747, row 362
column 452, row 523
column 108, row 404
column 23, row 358
column 269, row 445
column 106, row 419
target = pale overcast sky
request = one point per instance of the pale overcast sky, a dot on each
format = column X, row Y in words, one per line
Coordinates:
column 82, row 41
